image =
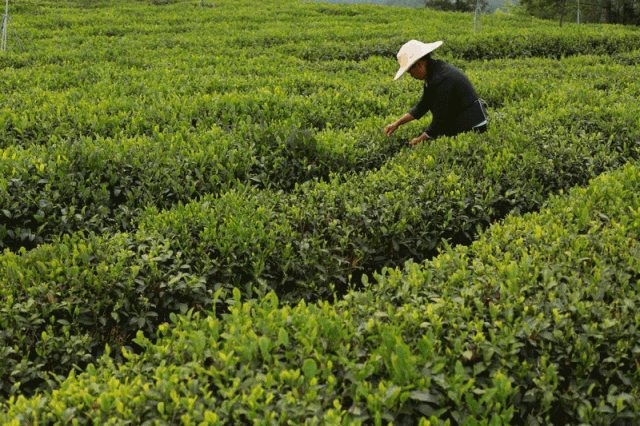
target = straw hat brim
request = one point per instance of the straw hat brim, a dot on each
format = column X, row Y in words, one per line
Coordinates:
column 416, row 51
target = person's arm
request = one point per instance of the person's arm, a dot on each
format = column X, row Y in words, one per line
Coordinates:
column 423, row 137
column 394, row 126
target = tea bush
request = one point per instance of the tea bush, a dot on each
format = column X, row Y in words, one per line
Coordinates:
column 158, row 164
column 99, row 120
column 534, row 323
column 300, row 244
column 100, row 184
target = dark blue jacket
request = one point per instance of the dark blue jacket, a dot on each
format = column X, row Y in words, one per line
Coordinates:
column 451, row 98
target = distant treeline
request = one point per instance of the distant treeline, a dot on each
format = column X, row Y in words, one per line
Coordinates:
column 626, row 12
column 491, row 5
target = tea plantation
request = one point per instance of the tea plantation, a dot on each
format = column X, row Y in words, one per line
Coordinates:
column 203, row 223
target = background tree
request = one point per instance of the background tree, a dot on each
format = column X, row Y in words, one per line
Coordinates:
column 625, row 12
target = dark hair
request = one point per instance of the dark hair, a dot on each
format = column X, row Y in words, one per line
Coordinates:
column 426, row 57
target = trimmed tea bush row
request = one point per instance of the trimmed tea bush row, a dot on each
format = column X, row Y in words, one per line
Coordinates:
column 534, row 323
column 504, row 82
column 112, row 101
column 238, row 30
column 67, row 104
column 450, row 188
column 90, row 76
column 101, row 184
column 85, row 292
column 493, row 45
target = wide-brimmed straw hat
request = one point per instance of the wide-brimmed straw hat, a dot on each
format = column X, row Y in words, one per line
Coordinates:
column 411, row 52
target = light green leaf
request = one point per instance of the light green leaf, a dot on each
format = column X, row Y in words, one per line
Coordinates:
column 309, row 369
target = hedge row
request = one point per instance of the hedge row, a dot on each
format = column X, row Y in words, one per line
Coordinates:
column 90, row 75
column 111, row 101
column 503, row 45
column 353, row 222
column 85, row 291
column 535, row 323
column 60, row 103
column 100, row 184
column 353, row 32
column 63, row 172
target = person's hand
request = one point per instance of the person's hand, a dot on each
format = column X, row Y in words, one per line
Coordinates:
column 390, row 129
column 417, row 140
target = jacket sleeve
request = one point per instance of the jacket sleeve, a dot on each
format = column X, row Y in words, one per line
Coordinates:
column 422, row 107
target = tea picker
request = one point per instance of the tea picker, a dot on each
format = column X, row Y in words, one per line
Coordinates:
column 6, row 20
column 447, row 93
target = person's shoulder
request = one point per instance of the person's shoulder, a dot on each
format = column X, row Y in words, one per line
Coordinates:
column 449, row 68
column 451, row 72
column 441, row 71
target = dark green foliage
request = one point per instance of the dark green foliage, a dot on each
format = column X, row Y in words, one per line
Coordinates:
column 488, row 334
column 306, row 242
column 192, row 160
